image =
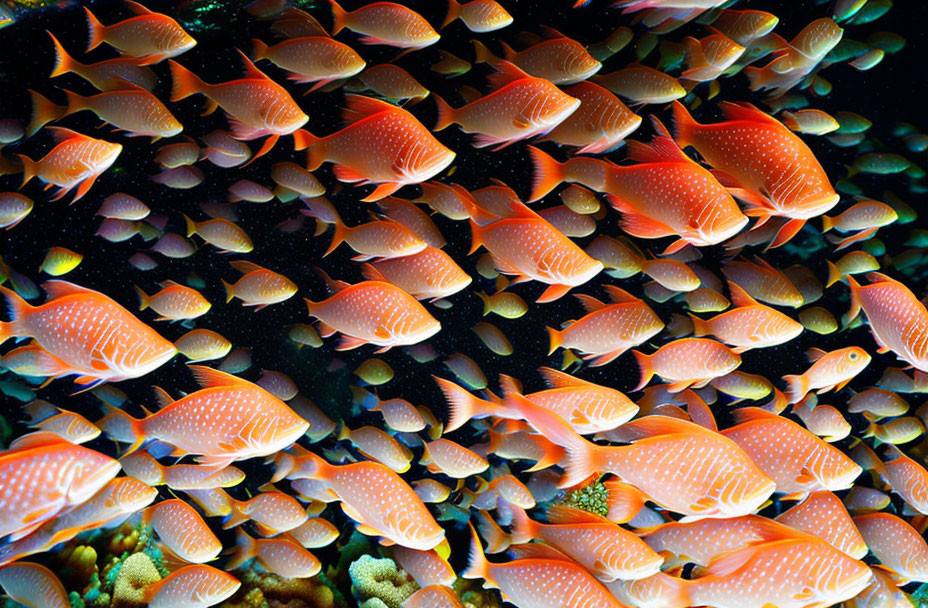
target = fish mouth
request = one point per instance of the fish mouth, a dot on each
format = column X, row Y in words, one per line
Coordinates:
column 94, row 482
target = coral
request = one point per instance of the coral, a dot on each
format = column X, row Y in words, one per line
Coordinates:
column 473, row 595
column 381, row 579
column 592, row 497
column 266, row 590
column 357, row 545
column 135, row 574
column 373, row 602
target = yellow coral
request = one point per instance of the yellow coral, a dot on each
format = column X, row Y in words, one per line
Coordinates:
column 135, row 574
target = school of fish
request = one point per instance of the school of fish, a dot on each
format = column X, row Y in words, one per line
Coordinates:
column 676, row 189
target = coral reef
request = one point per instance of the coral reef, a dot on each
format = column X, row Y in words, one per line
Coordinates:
column 380, row 579
column 592, row 497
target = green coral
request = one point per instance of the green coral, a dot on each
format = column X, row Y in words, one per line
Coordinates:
column 267, row 590
column 381, row 579
column 593, row 497
column 473, row 595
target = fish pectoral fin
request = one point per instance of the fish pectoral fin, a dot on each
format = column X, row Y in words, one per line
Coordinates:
column 552, row 293
column 805, row 476
column 209, row 107
column 599, row 360
column 804, row 594
column 382, row 191
column 703, row 504
column 578, row 417
column 352, row 513
column 40, row 515
column 347, row 174
column 350, row 342
column 521, row 122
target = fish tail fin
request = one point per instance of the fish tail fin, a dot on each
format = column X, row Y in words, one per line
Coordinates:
column 834, row 275
column 581, row 463
column 548, row 173
column 855, row 301
column 122, row 427
column 476, row 236
column 827, row 223
column 191, row 226
column 797, row 387
column 338, row 17
column 647, row 369
column 341, row 231
column 486, row 302
column 185, row 82
column 230, row 291
column 64, row 63
column 477, row 565
column 524, row 528
column 309, row 306
column 235, row 518
column 462, row 405
column 76, row 102
column 30, row 168
column 315, row 155
column 143, row 298
column 445, row 113
column 258, row 49
column 96, row 30
column 454, row 11
column 623, row 500
column 244, row 550
column 44, row 111
column 557, row 339
column 17, row 308
column 683, row 125
column 756, row 77
column 700, row 326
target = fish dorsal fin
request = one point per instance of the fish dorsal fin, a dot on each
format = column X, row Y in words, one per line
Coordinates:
column 562, row 514
column 619, row 295
column 762, row 263
column 814, row 354
column 747, row 414
column 509, row 384
column 653, row 426
column 469, row 94
column 506, row 72
column 746, row 111
column 550, row 33
column 37, row 440
column 164, row 399
column 538, row 551
column 170, row 283
column 208, row 377
column 333, row 285
column 294, row 17
column 879, row 277
column 58, row 289
column 590, row 304
column 371, row 273
column 662, row 149
column 251, row 71
column 137, row 8
column 360, row 107
column 739, row 296
column 558, row 379
column 518, row 209
column 244, row 266
column 60, row 134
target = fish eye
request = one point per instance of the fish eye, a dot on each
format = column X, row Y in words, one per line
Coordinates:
column 853, row 356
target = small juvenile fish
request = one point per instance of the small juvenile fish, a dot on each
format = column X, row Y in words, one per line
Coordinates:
column 145, row 468
column 14, row 208
column 222, row 234
column 452, row 459
column 385, row 23
column 247, row 190
column 599, row 125
column 479, row 16
column 749, row 325
column 174, row 302
column 60, row 261
column 124, row 207
column 379, row 446
column 641, row 85
column 202, row 345
column 183, row 531
column 557, row 58
column 898, row 431
column 829, row 371
column 281, row 555
column 505, row 304
column 193, row 586
column 493, row 338
column 822, row 420
column 75, row 162
column 686, row 362
column 176, row 155
column 258, row 287
column 391, row 82
column 295, row 178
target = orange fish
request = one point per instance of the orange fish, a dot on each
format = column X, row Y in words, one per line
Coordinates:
column 282, row 556
column 430, row 274
column 802, row 462
column 150, row 36
column 599, row 125
column 547, row 581
column 270, row 512
column 259, row 287
column 144, row 467
column 414, row 218
column 385, row 23
column 686, row 362
column 77, row 161
column 558, row 58
column 315, row 532
column 196, row 585
column 33, row 585
column 520, row 106
column 377, row 499
column 641, row 85
column 764, row 282
column 87, row 334
column 525, row 245
column 810, row 572
column 119, row 498
column 375, row 239
column 77, row 473
column 317, row 59
column 405, row 152
column 108, row 75
column 908, row 479
column 183, row 531
column 829, row 371
column 389, row 81
column 174, row 302
column 608, row 551
column 256, row 105
column 131, row 109
column 823, row 514
column 228, row 419
column 478, row 15
column 451, row 459
column 897, row 319
column 900, row 548
column 373, row 312
column 426, row 567
column 763, row 163
column 708, row 58
column 378, row 445
column 434, row 596
column 748, row 325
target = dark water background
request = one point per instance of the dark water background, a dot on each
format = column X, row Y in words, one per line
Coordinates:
column 894, row 91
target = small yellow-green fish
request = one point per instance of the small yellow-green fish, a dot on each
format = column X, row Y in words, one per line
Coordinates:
column 202, row 345
column 505, row 304
column 304, row 335
column 450, row 65
column 467, row 371
column 374, row 372
column 855, row 262
column 60, row 261
column 900, row 430
column 813, row 122
column 493, row 338
column 819, row 320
